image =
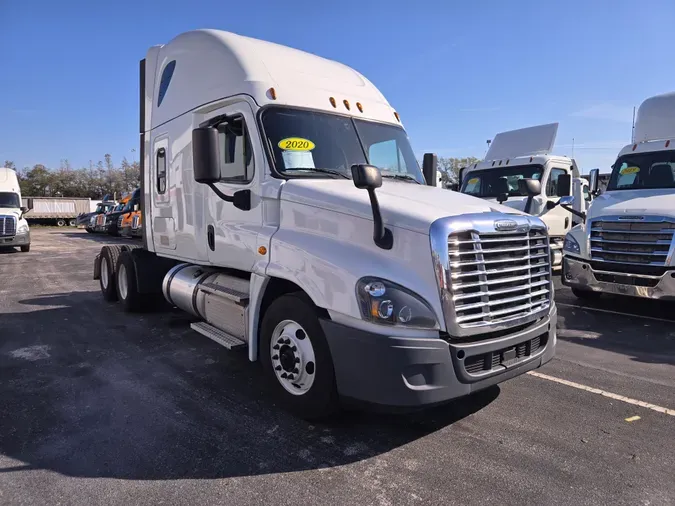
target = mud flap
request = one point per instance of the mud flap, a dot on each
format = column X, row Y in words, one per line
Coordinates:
column 97, row 267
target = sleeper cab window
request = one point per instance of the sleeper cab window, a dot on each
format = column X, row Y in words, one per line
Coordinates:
column 161, row 171
column 236, row 153
column 167, row 74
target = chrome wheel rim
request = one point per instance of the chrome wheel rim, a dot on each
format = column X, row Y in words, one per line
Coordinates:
column 104, row 273
column 293, row 359
column 122, row 281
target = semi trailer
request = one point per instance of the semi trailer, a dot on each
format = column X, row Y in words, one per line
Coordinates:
column 525, row 154
column 626, row 245
column 59, row 211
column 284, row 209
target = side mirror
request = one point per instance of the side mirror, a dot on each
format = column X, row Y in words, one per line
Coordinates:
column 366, row 177
column 531, row 188
column 566, row 201
column 460, row 176
column 136, row 207
column 593, row 176
column 369, row 177
column 430, row 168
column 502, row 190
column 24, row 209
column 564, row 185
column 205, row 155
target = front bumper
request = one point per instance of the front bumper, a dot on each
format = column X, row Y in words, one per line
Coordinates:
column 17, row 240
column 408, row 373
column 580, row 274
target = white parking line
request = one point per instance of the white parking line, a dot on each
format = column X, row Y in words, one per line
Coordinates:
column 585, row 308
column 627, row 400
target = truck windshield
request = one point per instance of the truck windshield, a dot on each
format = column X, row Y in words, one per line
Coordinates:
column 643, row 171
column 484, row 183
column 314, row 143
column 9, row 199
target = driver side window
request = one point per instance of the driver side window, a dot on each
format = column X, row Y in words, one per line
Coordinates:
column 552, row 185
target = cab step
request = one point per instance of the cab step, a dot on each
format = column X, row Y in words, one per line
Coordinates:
column 223, row 338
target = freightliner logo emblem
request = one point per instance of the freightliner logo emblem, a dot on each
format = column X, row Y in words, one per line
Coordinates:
column 505, row 225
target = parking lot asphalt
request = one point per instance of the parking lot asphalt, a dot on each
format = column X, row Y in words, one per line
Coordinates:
column 103, row 407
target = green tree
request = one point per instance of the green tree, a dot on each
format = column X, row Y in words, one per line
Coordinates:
column 449, row 167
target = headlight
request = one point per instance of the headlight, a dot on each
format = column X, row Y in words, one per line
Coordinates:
column 387, row 303
column 571, row 245
column 23, row 228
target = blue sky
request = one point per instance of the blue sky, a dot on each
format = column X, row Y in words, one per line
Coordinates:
column 457, row 72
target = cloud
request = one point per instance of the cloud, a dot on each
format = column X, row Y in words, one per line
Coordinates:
column 606, row 111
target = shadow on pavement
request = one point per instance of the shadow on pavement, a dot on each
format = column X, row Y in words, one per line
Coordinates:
column 103, row 238
column 90, row 391
column 644, row 340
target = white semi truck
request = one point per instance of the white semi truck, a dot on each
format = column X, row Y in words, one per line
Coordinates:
column 520, row 172
column 285, row 210
column 14, row 230
column 626, row 245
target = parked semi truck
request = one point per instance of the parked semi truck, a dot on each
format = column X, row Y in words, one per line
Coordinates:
column 268, row 220
column 59, row 211
column 626, row 245
column 14, row 230
column 524, row 156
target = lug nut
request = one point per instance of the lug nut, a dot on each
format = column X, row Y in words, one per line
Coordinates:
column 295, row 371
column 290, row 377
column 275, row 347
column 297, row 360
column 275, row 357
column 277, row 368
column 284, row 375
column 294, row 348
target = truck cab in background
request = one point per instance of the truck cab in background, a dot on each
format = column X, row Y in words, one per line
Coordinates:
column 524, row 154
column 14, row 230
column 284, row 209
column 627, row 244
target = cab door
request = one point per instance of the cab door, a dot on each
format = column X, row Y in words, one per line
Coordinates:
column 231, row 232
column 558, row 219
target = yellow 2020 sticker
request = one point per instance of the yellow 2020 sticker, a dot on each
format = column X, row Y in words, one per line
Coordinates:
column 296, row 144
column 629, row 170
column 473, row 180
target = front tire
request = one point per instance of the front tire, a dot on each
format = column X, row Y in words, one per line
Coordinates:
column 107, row 281
column 586, row 294
column 25, row 249
column 296, row 358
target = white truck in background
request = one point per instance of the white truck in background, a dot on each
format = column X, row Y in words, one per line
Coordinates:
column 14, row 230
column 626, row 245
column 520, row 172
column 267, row 218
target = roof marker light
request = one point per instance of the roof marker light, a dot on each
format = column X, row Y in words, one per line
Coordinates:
column 346, row 104
column 273, row 93
column 668, row 143
column 634, row 147
column 530, row 159
column 397, row 117
column 493, row 163
column 359, row 106
column 500, row 162
column 332, row 102
column 507, row 162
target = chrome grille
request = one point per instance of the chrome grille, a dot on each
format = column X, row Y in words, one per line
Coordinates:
column 7, row 226
column 643, row 240
column 498, row 276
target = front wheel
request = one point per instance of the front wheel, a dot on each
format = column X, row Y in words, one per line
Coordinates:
column 25, row 249
column 296, row 358
column 586, row 294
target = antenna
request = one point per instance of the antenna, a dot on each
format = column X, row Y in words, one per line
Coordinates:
column 632, row 133
column 488, row 142
column 572, row 147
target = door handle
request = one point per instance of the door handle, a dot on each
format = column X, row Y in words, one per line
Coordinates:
column 211, row 237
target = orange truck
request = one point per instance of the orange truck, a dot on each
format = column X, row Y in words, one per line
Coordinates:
column 130, row 223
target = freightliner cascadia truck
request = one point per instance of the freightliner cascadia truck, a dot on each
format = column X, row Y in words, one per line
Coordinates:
column 285, row 210
column 626, row 246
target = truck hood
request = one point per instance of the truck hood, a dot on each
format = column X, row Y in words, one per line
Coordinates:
column 642, row 202
column 517, row 203
column 406, row 205
column 13, row 211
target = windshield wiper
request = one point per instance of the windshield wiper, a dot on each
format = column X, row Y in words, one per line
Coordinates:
column 402, row 177
column 322, row 171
